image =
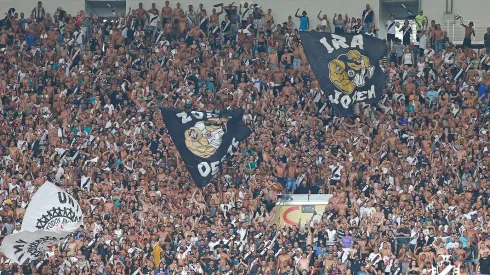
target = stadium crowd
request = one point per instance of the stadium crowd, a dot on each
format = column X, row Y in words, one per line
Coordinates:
column 81, row 98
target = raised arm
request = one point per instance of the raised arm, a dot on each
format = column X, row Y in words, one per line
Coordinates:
column 296, row 14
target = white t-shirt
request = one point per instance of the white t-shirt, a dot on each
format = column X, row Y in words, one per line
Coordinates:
column 429, row 52
column 331, row 235
column 336, row 170
column 423, row 42
column 374, row 256
column 78, row 35
column 153, row 20
column 407, row 59
column 368, row 210
column 452, row 245
column 391, row 27
column 388, row 263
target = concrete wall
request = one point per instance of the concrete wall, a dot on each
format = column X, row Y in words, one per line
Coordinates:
column 26, row 6
column 470, row 10
column 282, row 8
column 476, row 10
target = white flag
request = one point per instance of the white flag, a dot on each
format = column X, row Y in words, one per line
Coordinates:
column 85, row 182
column 26, row 246
column 52, row 208
column 446, row 270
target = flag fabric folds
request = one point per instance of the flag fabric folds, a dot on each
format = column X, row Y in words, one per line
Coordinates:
column 204, row 140
column 52, row 207
column 25, row 246
column 51, row 216
column 347, row 67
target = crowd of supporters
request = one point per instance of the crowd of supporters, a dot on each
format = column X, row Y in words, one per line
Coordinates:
column 81, row 97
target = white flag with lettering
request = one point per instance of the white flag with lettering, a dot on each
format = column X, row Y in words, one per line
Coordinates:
column 26, row 246
column 51, row 208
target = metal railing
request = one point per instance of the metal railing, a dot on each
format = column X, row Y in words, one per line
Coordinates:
column 455, row 31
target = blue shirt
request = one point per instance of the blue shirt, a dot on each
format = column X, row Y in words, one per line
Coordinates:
column 209, row 85
column 303, row 23
column 464, row 241
column 30, row 40
column 483, row 91
column 410, row 108
column 432, row 94
column 87, row 129
column 403, row 120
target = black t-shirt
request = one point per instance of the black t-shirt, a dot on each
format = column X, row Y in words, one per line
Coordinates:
column 387, row 211
column 355, row 266
column 210, row 269
column 302, row 189
column 407, row 31
column 393, row 57
column 484, row 265
column 302, row 236
column 486, row 38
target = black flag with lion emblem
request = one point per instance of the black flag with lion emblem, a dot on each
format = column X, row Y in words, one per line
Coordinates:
column 204, row 139
column 347, row 67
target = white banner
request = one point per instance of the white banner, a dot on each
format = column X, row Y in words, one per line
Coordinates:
column 52, row 208
column 446, row 270
column 26, row 246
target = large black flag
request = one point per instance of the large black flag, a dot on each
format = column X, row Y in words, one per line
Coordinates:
column 204, row 140
column 347, row 67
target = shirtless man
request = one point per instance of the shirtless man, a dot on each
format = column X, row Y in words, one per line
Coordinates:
column 268, row 18
column 438, row 38
column 284, row 259
column 432, row 28
column 468, row 32
column 459, row 254
column 303, row 262
column 142, row 15
column 342, row 206
column 166, row 14
column 273, row 60
column 197, row 33
column 278, row 77
column 176, row 13
column 153, row 9
column 214, row 18
column 52, row 34
column 292, row 171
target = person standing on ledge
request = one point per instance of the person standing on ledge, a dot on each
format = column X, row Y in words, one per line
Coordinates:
column 421, row 20
column 468, row 32
column 391, row 26
column 486, row 40
column 367, row 18
column 304, row 21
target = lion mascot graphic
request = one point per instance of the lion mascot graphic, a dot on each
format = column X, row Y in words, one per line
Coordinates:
column 205, row 137
column 350, row 70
